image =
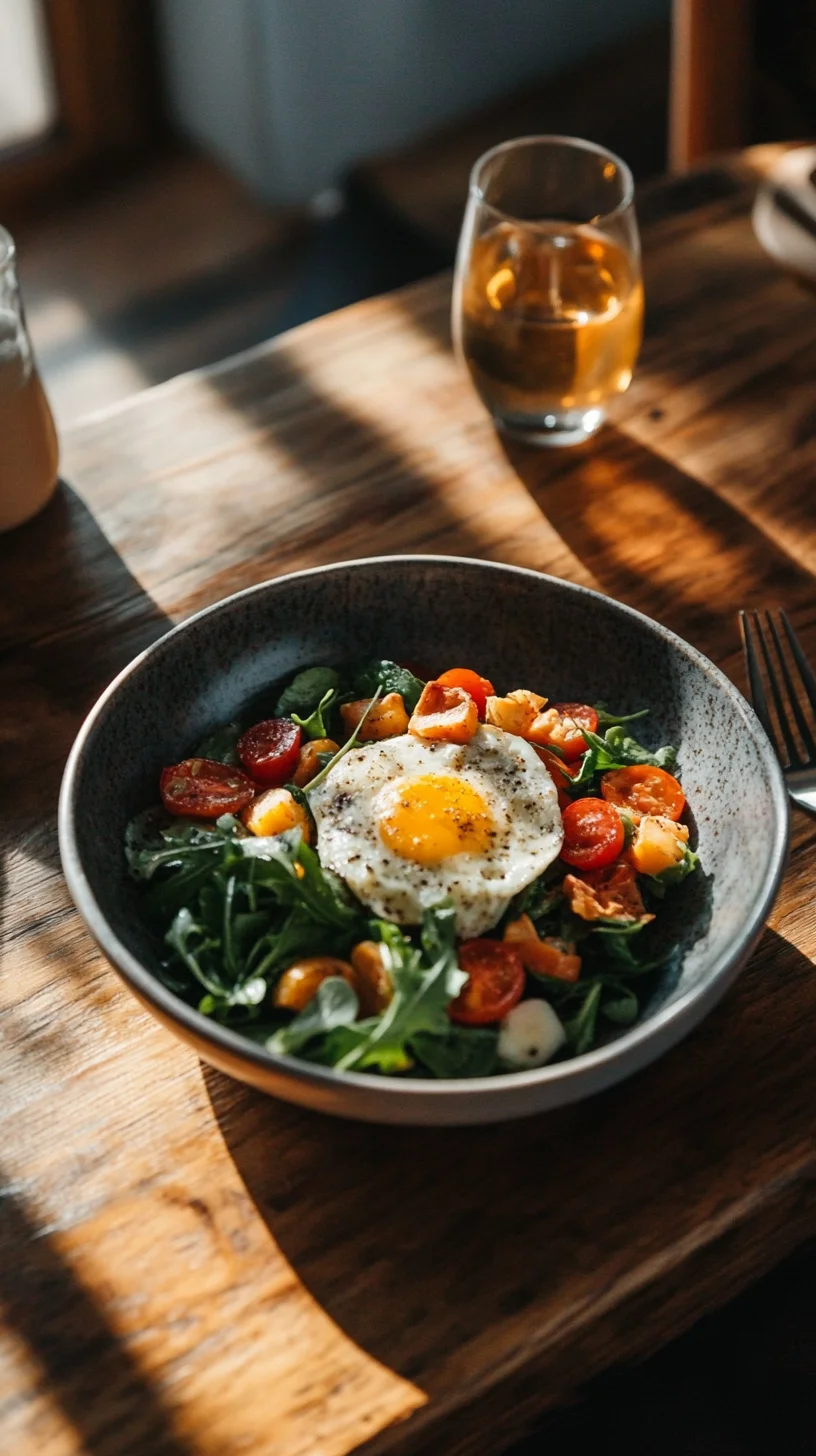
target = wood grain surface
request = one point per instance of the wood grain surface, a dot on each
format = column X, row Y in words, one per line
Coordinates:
column 189, row 1269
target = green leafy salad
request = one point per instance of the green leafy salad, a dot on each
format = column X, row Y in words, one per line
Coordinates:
column 416, row 878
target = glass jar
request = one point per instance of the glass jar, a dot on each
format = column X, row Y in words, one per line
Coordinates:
column 29, row 453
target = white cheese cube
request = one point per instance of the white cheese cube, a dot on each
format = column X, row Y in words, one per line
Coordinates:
column 530, row 1034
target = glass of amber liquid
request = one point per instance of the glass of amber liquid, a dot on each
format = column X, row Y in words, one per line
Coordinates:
column 547, row 294
column 29, row 454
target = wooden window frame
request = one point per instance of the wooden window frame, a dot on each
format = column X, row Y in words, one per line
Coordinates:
column 103, row 56
column 711, row 78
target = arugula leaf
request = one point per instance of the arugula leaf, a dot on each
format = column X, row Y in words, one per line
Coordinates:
column 613, row 950
column 463, row 1051
column 295, row 936
column 195, row 949
column 438, row 934
column 541, row 899
column 155, row 841
column 335, row 1004
column 616, row 750
column 389, row 677
column 169, row 895
column 152, row 840
column 249, row 993
column 627, row 750
column 617, row 930
column 306, row 691
column 422, row 992
column 621, row 1006
column 580, row 1029
column 190, row 942
column 314, row 726
column 242, row 910
column 316, row 889
column 336, row 1048
column 187, row 853
column 609, row 720
column 221, row 745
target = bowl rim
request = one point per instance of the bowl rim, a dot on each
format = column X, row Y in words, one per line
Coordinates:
column 609, row 1062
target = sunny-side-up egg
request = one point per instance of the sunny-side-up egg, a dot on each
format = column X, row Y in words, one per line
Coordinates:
column 406, row 822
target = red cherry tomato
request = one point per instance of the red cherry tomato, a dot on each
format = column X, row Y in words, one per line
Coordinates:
column 593, row 834
column 495, row 982
column 270, row 750
column 566, row 735
column 479, row 688
column 560, row 773
column 643, row 789
column 200, row 788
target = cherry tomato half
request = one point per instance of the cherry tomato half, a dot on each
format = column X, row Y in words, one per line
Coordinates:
column 593, row 834
column 200, row 788
column 270, row 750
column 567, row 735
column 495, row 982
column 479, row 688
column 560, row 773
column 643, row 789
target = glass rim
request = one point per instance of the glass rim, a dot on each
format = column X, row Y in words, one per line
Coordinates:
column 7, row 247
column 579, row 143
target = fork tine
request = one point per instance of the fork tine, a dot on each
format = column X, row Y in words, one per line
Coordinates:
column 755, row 683
column 793, row 697
column 773, row 683
column 805, row 669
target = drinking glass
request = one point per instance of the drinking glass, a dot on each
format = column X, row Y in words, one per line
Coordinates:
column 29, row 455
column 547, row 294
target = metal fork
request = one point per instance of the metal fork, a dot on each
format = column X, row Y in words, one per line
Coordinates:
column 762, row 642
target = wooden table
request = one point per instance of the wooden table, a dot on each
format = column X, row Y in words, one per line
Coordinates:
column 188, row 1269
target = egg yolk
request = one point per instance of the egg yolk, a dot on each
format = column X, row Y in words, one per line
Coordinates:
column 428, row 819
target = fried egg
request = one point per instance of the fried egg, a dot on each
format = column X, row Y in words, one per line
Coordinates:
column 406, row 822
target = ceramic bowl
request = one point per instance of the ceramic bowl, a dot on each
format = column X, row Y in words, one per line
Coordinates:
column 515, row 626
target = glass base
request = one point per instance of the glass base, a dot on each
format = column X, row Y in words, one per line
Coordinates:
column 568, row 427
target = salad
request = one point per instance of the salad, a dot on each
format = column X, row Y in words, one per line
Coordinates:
column 416, row 878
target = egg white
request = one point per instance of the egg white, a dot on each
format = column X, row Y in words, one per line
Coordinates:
column 513, row 783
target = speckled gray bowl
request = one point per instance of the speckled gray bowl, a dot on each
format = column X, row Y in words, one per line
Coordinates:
column 518, row 628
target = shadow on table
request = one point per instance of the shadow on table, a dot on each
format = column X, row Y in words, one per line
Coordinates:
column 85, row 1371
column 419, row 1242
column 71, row 615
column 659, row 539
column 718, row 1390
column 362, row 493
